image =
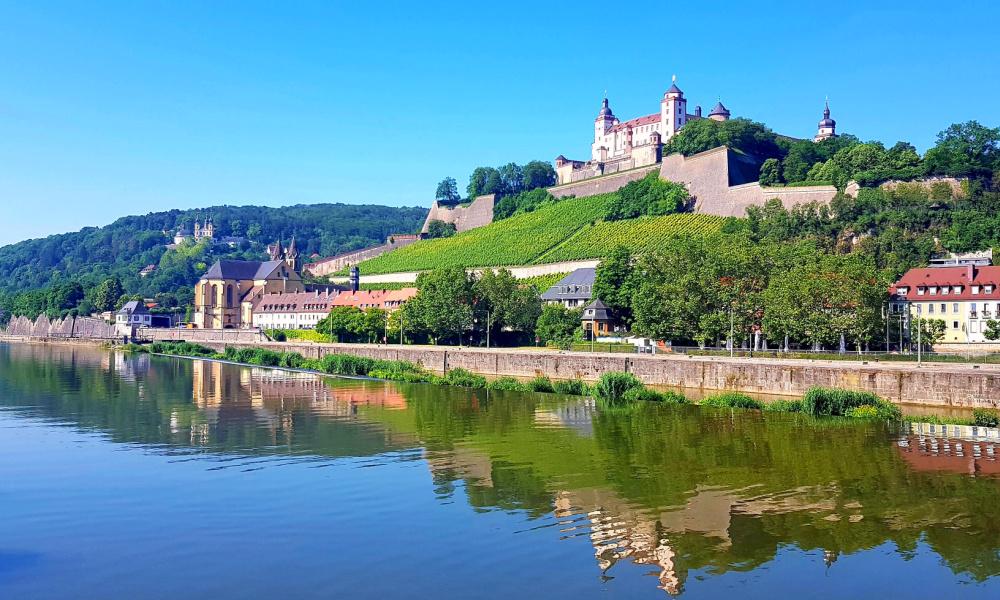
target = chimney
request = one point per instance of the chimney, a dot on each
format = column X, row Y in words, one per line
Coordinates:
column 697, row 111
column 355, row 279
column 971, row 271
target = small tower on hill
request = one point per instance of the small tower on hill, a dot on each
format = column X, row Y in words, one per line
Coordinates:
column 292, row 257
column 827, row 126
column 277, row 251
column 602, row 124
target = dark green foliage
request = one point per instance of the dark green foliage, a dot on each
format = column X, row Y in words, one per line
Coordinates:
column 649, row 196
column 744, row 135
column 839, row 402
column 770, row 172
column 464, row 378
column 616, row 282
column 611, row 387
column 571, row 387
column 732, row 400
column 277, row 335
column 523, row 202
column 984, row 417
column 510, row 179
column 541, row 384
column 644, row 394
column 447, row 192
column 177, row 349
column 557, row 325
column 439, row 229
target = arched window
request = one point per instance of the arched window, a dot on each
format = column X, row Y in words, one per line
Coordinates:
column 229, row 296
column 215, row 295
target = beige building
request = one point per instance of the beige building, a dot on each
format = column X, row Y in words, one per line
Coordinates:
column 225, row 296
column 294, row 310
column 965, row 297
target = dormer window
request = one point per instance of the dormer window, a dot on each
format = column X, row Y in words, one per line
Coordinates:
column 902, row 291
column 920, row 291
column 957, row 289
column 989, row 289
column 933, row 289
column 944, row 291
column 975, row 289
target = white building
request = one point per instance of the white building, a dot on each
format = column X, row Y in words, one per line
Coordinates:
column 296, row 310
column 134, row 314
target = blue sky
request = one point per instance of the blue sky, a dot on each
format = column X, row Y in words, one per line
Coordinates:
column 109, row 109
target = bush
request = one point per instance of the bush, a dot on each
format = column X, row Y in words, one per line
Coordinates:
column 292, row 360
column 541, row 384
column 277, row 335
column 571, row 387
column 644, row 394
column 732, row 400
column 838, row 402
column 792, row 406
column 508, row 384
column 984, row 417
column 345, row 364
column 611, row 387
column 865, row 411
column 462, row 378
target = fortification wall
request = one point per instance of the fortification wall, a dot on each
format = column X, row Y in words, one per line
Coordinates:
column 717, row 181
column 329, row 266
column 476, row 214
column 70, row 327
column 936, row 385
column 601, row 185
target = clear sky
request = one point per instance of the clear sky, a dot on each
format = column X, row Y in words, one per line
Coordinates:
column 116, row 108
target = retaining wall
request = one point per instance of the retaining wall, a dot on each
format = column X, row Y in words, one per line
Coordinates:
column 936, row 385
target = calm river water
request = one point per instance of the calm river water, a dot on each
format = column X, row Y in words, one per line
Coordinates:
column 148, row 477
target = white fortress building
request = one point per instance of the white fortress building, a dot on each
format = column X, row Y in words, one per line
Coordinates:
column 620, row 146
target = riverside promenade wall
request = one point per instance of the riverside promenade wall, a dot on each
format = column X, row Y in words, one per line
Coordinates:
column 951, row 385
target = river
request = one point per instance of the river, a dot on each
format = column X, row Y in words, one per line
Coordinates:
column 128, row 476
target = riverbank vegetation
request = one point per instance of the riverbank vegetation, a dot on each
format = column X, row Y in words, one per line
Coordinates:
column 614, row 390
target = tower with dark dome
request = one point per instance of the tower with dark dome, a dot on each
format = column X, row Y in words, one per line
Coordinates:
column 827, row 126
column 602, row 125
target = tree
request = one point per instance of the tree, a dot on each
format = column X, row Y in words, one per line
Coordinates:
column 373, row 325
column 254, row 231
column 992, row 332
column 537, row 174
column 557, row 325
column 965, row 149
column 650, row 196
column 343, row 324
column 63, row 297
column 439, row 229
column 616, row 281
column 930, row 333
column 770, row 172
column 447, row 191
column 106, row 294
column 524, row 202
column 501, row 303
column 442, row 308
column 744, row 135
column 482, row 181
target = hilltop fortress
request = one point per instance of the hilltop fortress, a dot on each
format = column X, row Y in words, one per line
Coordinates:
column 721, row 181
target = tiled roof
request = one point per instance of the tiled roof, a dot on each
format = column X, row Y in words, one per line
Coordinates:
column 295, row 302
column 637, row 122
column 241, row 269
column 133, row 307
column 374, row 298
column 950, row 277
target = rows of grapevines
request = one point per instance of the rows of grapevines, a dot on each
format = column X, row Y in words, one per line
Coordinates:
column 639, row 235
column 518, row 240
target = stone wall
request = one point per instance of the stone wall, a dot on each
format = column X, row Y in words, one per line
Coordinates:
column 476, row 214
column 329, row 266
column 601, row 185
column 70, row 327
column 934, row 385
column 522, row 272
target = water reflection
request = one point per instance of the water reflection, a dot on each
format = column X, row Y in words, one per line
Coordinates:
column 686, row 494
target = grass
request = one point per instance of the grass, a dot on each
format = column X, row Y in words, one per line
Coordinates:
column 732, row 400
column 820, row 401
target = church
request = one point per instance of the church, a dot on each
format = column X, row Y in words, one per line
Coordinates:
column 225, row 295
column 623, row 145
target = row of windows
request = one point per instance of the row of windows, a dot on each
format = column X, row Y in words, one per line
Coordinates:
column 943, row 308
column 946, row 289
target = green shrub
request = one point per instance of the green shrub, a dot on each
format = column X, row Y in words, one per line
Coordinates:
column 346, row 364
column 732, row 400
column 611, row 387
column 792, row 406
column 292, row 360
column 644, row 394
column 541, row 384
column 838, row 402
column 508, row 384
column 463, row 378
column 865, row 411
column 277, row 335
column 571, row 387
column 984, row 417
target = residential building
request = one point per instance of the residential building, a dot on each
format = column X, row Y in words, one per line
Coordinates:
column 573, row 290
column 596, row 319
column 135, row 314
column 294, row 310
column 387, row 300
column 965, row 297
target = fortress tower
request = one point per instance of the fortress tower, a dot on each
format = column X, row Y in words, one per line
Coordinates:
column 673, row 110
column 827, row 126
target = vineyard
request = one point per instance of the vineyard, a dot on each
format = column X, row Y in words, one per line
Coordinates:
column 639, row 235
column 518, row 240
column 567, row 230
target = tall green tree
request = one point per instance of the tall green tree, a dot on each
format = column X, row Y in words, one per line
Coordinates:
column 107, row 293
column 447, row 191
column 615, row 282
column 501, row 303
column 443, row 306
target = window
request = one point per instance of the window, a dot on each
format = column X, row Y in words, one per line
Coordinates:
column 930, row 309
column 944, row 291
column 957, row 289
column 975, row 289
column 954, row 308
column 920, row 291
column 954, row 324
column 944, row 308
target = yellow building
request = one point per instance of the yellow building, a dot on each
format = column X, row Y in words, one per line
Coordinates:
column 224, row 297
column 965, row 297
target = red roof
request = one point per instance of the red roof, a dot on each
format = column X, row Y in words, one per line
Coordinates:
column 385, row 299
column 655, row 118
column 949, row 277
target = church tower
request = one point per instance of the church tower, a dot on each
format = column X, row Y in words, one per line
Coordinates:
column 673, row 110
column 827, row 126
column 292, row 257
column 277, row 251
column 602, row 124
column 208, row 230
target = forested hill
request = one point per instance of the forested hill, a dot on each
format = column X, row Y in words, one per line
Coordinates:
column 124, row 247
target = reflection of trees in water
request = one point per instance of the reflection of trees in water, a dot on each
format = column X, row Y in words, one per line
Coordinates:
column 676, row 488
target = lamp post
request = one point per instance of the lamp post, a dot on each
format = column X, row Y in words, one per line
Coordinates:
column 732, row 342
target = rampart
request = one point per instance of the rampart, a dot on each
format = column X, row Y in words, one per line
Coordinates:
column 465, row 217
column 329, row 266
column 601, row 185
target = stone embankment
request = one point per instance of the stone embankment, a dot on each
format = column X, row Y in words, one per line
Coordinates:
column 941, row 385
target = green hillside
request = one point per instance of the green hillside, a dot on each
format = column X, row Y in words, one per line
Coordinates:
column 518, row 240
column 567, row 230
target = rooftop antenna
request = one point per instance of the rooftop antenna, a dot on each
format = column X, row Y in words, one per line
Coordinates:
column 673, row 79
